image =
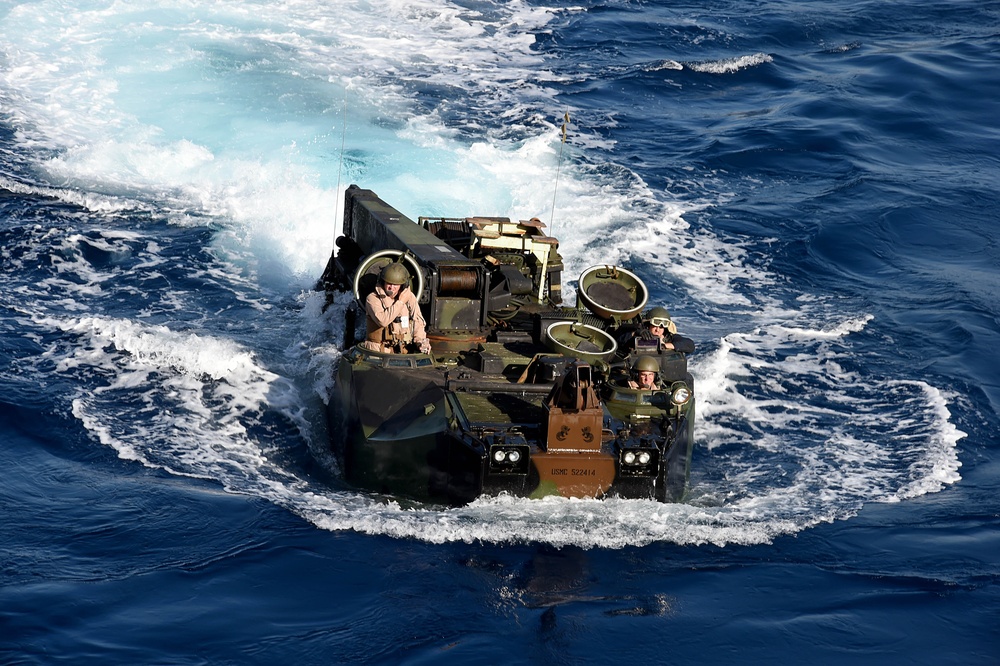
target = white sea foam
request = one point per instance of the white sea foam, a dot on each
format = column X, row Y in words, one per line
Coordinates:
column 730, row 65
column 665, row 64
column 126, row 108
column 190, row 403
column 846, row 436
column 230, row 115
column 90, row 201
column 181, row 401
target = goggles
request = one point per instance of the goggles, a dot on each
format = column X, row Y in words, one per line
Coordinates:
column 660, row 321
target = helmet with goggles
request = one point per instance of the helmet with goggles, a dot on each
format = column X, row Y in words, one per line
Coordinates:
column 658, row 316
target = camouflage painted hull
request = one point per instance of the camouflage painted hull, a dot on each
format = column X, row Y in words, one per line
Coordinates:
column 417, row 433
column 519, row 394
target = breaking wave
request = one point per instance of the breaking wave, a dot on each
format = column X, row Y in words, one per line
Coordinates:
column 730, row 65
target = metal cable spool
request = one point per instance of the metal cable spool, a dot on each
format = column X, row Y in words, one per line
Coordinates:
column 458, row 280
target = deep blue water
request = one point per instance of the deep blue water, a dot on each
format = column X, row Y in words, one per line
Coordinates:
column 810, row 187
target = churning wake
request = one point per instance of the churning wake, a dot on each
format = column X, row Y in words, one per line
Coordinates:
column 199, row 155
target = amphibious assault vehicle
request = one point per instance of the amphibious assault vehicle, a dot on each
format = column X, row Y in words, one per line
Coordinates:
column 519, row 393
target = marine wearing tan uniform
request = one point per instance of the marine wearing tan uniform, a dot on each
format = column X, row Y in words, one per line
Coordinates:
column 393, row 317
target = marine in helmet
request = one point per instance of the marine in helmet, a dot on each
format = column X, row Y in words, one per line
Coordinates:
column 657, row 326
column 645, row 372
column 394, row 321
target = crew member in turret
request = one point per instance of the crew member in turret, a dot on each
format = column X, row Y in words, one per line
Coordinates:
column 394, row 321
column 658, row 326
column 644, row 374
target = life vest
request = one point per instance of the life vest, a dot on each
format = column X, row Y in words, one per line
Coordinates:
column 397, row 332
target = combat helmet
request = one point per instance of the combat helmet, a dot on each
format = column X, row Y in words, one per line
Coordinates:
column 395, row 273
column 657, row 313
column 646, row 364
column 660, row 316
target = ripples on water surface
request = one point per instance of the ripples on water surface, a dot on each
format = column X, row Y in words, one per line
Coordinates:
column 811, row 188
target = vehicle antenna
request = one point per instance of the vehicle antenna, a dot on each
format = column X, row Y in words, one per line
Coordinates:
column 552, row 228
column 340, row 168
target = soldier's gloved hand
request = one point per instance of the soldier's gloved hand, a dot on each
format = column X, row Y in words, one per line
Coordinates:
column 425, row 347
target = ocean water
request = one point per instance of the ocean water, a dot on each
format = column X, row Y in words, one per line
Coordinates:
column 810, row 187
